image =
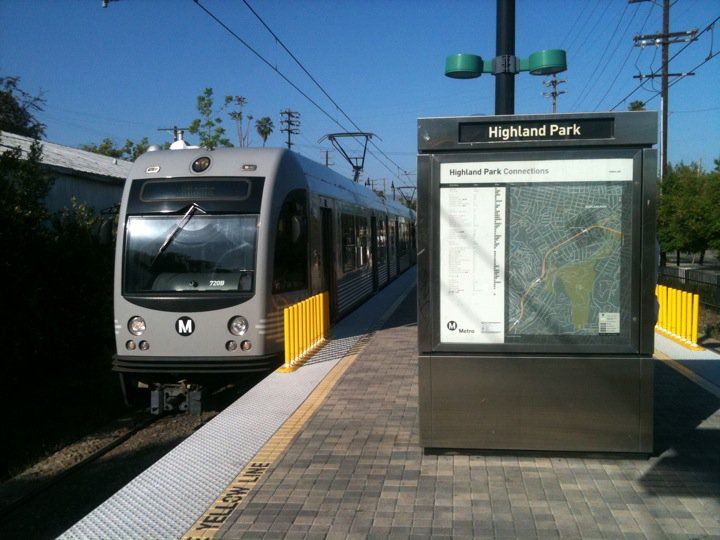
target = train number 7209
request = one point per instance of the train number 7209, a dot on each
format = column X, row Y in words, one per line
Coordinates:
column 217, row 283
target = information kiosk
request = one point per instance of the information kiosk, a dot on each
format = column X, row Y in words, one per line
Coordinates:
column 536, row 281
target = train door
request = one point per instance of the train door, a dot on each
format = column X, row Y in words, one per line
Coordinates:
column 328, row 258
column 374, row 252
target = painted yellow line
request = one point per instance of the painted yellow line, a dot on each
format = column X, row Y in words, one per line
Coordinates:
column 208, row 525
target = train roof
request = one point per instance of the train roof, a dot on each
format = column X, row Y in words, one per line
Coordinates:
column 325, row 181
column 320, row 179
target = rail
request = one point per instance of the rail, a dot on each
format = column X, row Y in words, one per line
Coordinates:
column 678, row 315
column 306, row 325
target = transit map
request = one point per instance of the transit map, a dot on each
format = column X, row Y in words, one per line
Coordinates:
column 534, row 251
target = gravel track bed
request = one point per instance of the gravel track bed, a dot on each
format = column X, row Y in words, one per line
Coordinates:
column 53, row 510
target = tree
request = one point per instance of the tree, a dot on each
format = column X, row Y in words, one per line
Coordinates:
column 131, row 151
column 264, row 127
column 237, row 116
column 689, row 210
column 636, row 105
column 18, row 109
column 209, row 129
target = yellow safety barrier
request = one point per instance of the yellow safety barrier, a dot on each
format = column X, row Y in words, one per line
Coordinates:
column 678, row 316
column 306, row 325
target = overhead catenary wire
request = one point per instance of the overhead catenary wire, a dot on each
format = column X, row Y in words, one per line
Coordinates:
column 322, row 89
column 624, row 62
column 286, row 79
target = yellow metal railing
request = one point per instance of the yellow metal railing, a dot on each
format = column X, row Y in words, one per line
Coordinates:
column 306, row 326
column 678, row 316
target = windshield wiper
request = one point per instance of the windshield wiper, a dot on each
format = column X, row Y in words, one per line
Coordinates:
column 176, row 229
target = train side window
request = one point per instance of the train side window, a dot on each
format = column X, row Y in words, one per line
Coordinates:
column 362, row 232
column 381, row 241
column 404, row 238
column 290, row 261
column 347, row 225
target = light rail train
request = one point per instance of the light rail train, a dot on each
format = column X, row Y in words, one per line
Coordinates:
column 213, row 245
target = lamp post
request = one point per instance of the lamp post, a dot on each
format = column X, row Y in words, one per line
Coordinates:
column 505, row 65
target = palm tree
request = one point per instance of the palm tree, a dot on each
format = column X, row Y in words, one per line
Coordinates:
column 636, row 105
column 264, row 128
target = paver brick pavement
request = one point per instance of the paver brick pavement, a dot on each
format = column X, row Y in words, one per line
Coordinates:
column 355, row 470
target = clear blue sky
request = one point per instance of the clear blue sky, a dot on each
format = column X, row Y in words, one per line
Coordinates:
column 138, row 65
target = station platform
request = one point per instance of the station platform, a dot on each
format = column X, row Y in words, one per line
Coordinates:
column 331, row 451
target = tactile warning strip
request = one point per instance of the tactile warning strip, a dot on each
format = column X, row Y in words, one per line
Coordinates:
column 166, row 500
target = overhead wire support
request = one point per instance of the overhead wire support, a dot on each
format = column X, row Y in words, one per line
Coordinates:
column 356, row 162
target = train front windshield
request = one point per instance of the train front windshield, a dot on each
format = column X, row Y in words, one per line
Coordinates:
column 193, row 254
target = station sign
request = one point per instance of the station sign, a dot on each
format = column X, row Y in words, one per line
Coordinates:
column 537, row 130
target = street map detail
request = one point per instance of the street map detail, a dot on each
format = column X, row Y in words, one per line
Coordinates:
column 564, row 258
column 534, row 250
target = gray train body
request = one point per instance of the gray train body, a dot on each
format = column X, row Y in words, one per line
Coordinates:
column 253, row 232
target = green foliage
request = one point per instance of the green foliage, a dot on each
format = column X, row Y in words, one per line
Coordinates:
column 58, row 280
column 264, row 127
column 130, row 151
column 636, row 105
column 689, row 209
column 18, row 108
column 209, row 129
column 24, row 185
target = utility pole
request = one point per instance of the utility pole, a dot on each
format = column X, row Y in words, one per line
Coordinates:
column 664, row 39
column 291, row 123
column 328, row 163
column 554, row 93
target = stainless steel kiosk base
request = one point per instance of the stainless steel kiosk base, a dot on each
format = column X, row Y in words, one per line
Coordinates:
column 556, row 403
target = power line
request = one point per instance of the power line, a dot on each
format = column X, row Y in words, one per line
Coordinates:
column 300, row 64
column 285, row 78
column 582, row 27
column 603, row 61
column 673, row 56
column 624, row 62
column 267, row 63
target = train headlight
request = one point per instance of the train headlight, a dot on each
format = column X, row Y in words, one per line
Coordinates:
column 201, row 164
column 238, row 326
column 136, row 325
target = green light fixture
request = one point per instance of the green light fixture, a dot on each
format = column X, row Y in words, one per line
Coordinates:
column 463, row 66
column 547, row 62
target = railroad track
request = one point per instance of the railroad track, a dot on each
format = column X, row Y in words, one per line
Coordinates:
column 44, row 504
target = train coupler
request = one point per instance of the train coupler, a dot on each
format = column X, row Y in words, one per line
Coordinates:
column 176, row 397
